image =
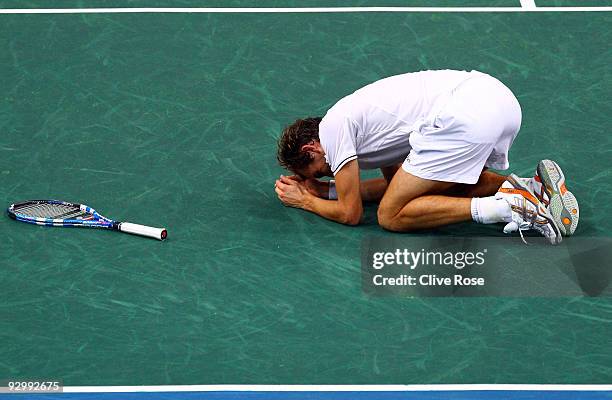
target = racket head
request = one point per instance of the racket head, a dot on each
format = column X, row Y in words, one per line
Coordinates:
column 58, row 213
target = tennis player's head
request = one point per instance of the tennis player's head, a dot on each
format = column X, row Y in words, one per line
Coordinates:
column 300, row 151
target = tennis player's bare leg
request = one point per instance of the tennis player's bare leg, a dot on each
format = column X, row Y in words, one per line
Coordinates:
column 488, row 184
column 412, row 203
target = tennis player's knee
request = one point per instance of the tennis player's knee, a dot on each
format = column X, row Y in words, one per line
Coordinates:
column 388, row 219
column 384, row 217
column 388, row 224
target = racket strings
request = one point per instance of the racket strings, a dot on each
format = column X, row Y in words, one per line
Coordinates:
column 46, row 210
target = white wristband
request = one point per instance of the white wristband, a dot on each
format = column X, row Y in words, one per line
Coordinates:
column 332, row 194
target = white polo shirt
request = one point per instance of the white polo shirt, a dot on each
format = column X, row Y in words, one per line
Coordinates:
column 373, row 124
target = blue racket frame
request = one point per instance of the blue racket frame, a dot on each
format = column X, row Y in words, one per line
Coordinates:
column 94, row 220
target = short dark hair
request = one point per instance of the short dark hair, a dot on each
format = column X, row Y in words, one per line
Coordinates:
column 294, row 136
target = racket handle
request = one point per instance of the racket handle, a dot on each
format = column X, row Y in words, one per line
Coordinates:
column 143, row 230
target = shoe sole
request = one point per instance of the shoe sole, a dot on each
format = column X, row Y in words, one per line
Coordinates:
column 543, row 212
column 563, row 205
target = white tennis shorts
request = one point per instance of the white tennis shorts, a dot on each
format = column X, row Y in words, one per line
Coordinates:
column 471, row 128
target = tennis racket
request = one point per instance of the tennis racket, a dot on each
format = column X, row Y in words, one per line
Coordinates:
column 62, row 213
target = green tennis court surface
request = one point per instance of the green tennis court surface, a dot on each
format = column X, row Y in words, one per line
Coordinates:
column 255, row 3
column 573, row 3
column 171, row 120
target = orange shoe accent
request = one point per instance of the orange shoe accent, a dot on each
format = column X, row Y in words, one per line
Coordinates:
column 574, row 211
column 566, row 221
column 523, row 193
column 563, row 189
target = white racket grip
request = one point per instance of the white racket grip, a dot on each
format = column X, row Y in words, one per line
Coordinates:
column 143, row 230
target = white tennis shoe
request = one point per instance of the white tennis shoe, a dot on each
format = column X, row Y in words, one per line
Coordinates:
column 528, row 212
column 548, row 185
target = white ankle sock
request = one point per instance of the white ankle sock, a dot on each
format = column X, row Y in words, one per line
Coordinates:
column 489, row 210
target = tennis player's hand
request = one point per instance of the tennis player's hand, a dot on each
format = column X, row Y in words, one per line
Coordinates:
column 291, row 192
column 314, row 186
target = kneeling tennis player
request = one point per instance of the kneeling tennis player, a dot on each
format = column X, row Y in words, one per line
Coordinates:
column 433, row 135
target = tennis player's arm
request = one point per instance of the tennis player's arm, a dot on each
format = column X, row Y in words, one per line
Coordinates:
column 348, row 208
column 371, row 190
column 374, row 189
